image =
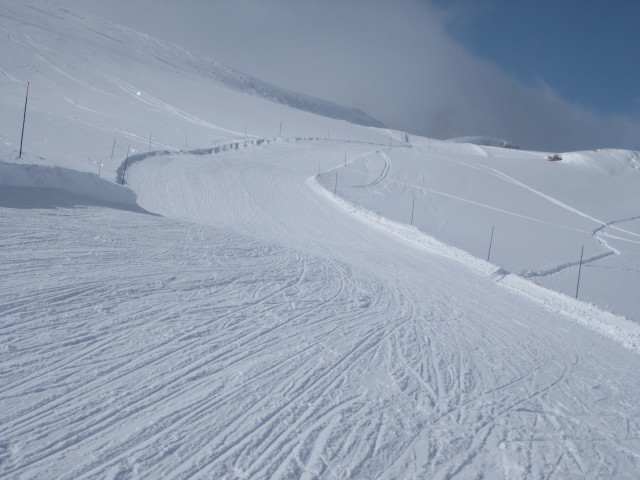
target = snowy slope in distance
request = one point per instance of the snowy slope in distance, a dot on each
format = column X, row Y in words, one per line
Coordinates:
column 282, row 319
column 486, row 141
column 127, row 86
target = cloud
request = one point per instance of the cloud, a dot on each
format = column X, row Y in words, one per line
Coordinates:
column 393, row 60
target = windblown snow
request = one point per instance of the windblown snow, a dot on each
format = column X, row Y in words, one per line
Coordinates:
column 200, row 281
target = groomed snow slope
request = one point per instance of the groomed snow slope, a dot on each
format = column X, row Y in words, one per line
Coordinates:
column 267, row 328
column 159, row 348
column 542, row 213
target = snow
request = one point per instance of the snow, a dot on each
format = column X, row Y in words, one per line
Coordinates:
column 488, row 141
column 231, row 304
column 33, row 177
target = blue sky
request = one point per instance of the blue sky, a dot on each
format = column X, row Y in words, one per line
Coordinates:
column 586, row 50
column 548, row 75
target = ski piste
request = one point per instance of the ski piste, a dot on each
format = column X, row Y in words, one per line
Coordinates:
column 257, row 304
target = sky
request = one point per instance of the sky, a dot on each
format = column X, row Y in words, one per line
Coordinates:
column 547, row 75
column 558, row 42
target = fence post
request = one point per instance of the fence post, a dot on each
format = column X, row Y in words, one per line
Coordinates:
column 113, row 147
column 413, row 206
column 24, row 118
column 579, row 271
column 490, row 243
column 335, row 190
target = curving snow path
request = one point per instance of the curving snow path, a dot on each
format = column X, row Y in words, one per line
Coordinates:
column 263, row 332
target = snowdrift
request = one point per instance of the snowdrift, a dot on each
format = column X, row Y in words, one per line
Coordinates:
column 41, row 180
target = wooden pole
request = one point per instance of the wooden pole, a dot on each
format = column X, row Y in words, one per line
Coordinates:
column 113, row 147
column 24, row 118
column 490, row 243
column 579, row 271
column 413, row 207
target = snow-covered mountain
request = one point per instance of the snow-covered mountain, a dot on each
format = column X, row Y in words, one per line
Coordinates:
column 200, row 281
column 111, row 81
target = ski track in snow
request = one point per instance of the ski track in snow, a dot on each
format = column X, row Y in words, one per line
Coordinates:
column 266, row 328
column 164, row 349
column 598, row 233
column 208, row 354
column 549, row 198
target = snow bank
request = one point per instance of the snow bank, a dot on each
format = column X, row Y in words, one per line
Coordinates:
column 616, row 327
column 78, row 183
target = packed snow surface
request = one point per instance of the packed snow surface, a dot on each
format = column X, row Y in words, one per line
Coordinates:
column 311, row 302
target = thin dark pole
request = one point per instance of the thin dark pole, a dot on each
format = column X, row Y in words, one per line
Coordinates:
column 335, row 190
column 126, row 161
column 149, row 141
column 579, row 271
column 24, row 118
column 345, row 159
column 113, row 147
column 413, row 207
column 490, row 243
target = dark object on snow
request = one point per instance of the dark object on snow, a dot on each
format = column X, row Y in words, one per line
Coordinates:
column 554, row 158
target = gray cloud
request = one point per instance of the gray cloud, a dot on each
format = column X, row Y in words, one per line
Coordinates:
column 393, row 60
